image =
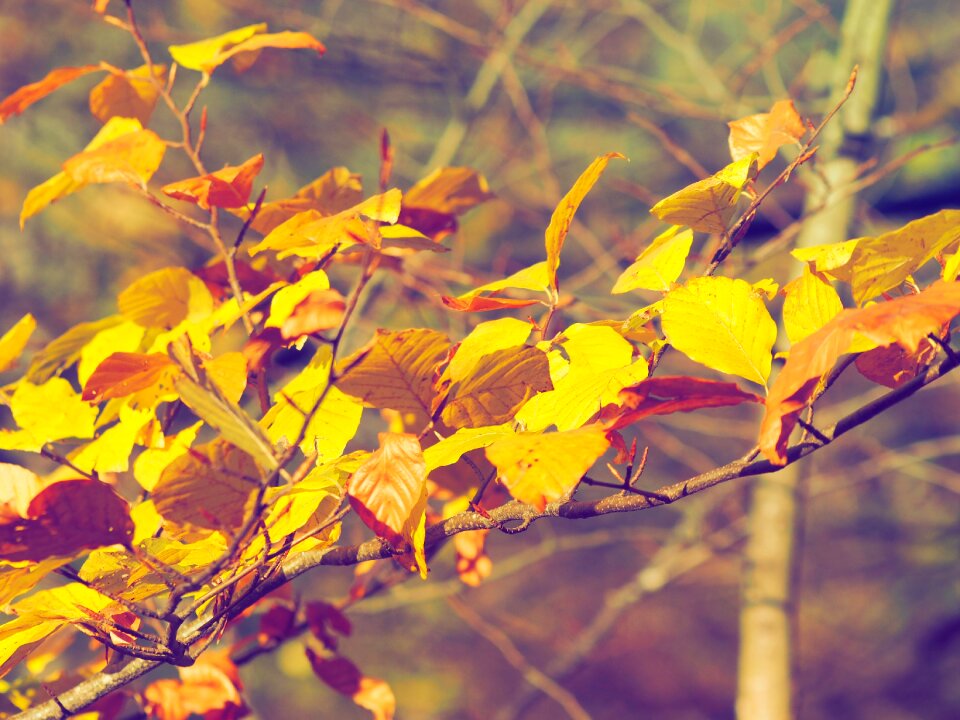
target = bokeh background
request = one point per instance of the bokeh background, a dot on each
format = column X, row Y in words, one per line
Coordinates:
column 641, row 609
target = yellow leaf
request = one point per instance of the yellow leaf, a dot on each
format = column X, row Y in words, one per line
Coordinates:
column 15, row 340
column 496, row 387
column 723, row 324
column 951, row 268
column 18, row 578
column 810, row 303
column 449, row 450
column 395, row 371
column 659, row 266
column 209, row 487
column 535, row 278
column 131, row 158
column 563, row 214
column 165, row 298
column 486, row 338
column 151, row 462
column 542, row 468
column 882, row 263
column 146, row 521
column 47, row 412
column 229, row 373
column 64, row 350
column 62, row 184
column 708, row 205
column 125, row 337
column 600, row 364
column 232, row 422
column 128, row 94
column 331, row 427
column 285, row 301
column 202, row 55
column 831, row 260
column 766, row 287
column 20, row 637
column 111, row 451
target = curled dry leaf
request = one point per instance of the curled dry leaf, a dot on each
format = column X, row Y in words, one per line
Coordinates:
column 63, row 519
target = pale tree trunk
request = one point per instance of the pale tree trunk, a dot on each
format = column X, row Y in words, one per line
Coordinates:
column 767, row 617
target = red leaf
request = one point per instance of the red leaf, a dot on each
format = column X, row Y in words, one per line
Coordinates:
column 226, row 188
column 322, row 617
column 64, row 518
column 482, row 304
column 389, row 486
column 665, row 395
column 892, row 365
column 905, row 321
column 124, row 373
column 344, row 677
column 29, row 94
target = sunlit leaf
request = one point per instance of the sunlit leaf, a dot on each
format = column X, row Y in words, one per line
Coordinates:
column 229, row 187
column 166, row 297
column 659, row 266
column 542, row 468
column 286, row 299
column 723, row 324
column 19, row 578
column 389, row 490
column 336, row 190
column 29, row 94
column 202, row 54
column 449, row 450
column 64, row 518
column 831, row 260
column 333, row 424
column 395, row 370
column 209, row 486
column 496, row 387
column 229, row 373
column 63, row 184
column 47, row 412
column 766, row 133
column 110, row 452
column 65, row 349
column 131, row 158
column 15, row 340
column 433, row 204
column 535, row 278
column 152, row 461
column 129, row 94
column 882, row 263
column 708, row 205
column 563, row 214
column 484, row 339
column 906, row 321
column 810, row 303
column 320, row 310
column 669, row 394
column 892, row 365
column 210, row 688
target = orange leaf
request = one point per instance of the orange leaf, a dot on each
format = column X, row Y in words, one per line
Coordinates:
column 482, row 304
column 892, row 365
column 64, row 518
column 473, row 563
column 665, row 395
column 387, row 490
column 905, row 321
column 131, row 158
column 563, row 214
column 130, row 94
column 124, row 373
column 765, row 133
column 226, row 188
column 29, row 94
column 321, row 310
column 344, row 677
column 211, row 688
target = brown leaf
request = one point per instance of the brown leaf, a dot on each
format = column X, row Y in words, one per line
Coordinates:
column 226, row 188
column 64, row 518
column 322, row 618
column 208, row 487
column 387, row 490
column 29, row 94
column 905, row 321
column 664, row 395
column 123, row 374
column 497, row 386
